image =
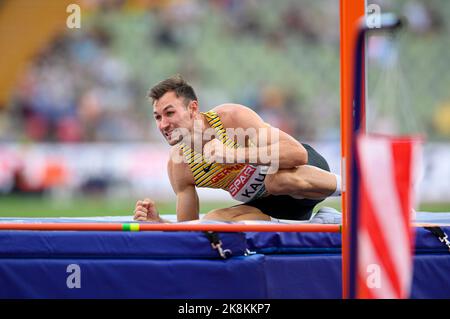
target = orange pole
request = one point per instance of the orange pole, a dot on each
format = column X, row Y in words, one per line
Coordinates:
column 350, row 13
column 172, row 227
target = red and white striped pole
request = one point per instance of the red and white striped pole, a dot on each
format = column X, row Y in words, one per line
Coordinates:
column 385, row 233
column 381, row 236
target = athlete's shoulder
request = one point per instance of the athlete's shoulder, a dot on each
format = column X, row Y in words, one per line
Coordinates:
column 176, row 160
column 178, row 170
column 230, row 108
column 176, row 157
column 230, row 112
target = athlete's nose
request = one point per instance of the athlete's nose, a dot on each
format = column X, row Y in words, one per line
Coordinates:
column 164, row 124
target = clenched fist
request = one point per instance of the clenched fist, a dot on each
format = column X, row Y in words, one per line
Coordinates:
column 216, row 152
column 145, row 210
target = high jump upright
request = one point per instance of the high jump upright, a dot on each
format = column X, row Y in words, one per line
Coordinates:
column 350, row 13
column 397, row 155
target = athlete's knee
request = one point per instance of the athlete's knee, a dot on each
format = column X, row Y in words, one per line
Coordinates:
column 213, row 214
column 224, row 214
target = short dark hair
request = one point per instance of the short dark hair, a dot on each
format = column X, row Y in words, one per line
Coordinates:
column 175, row 84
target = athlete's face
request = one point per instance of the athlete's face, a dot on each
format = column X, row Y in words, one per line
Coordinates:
column 174, row 118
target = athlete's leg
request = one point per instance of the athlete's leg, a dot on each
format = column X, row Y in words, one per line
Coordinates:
column 302, row 182
column 236, row 213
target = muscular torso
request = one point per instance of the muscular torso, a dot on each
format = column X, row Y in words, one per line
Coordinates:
column 244, row 182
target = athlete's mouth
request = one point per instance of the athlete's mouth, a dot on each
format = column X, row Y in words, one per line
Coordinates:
column 172, row 136
column 168, row 134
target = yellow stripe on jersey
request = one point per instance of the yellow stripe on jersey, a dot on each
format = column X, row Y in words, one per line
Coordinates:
column 216, row 175
column 202, row 181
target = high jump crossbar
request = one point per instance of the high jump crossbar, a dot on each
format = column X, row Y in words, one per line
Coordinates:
column 328, row 228
column 302, row 228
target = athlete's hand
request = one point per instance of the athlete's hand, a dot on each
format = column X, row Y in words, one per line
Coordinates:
column 216, row 152
column 145, row 210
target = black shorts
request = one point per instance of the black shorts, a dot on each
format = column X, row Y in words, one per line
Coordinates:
column 287, row 207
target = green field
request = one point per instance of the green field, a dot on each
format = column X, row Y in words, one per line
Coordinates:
column 19, row 206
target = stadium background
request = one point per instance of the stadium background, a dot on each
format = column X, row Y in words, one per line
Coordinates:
column 76, row 131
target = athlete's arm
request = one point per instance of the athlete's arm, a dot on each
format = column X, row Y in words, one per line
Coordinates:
column 184, row 187
column 278, row 147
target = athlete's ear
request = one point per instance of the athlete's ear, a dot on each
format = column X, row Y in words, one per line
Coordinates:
column 193, row 107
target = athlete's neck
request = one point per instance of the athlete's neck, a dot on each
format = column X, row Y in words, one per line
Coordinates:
column 199, row 138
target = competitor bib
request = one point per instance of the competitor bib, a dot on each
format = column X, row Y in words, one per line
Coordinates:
column 249, row 183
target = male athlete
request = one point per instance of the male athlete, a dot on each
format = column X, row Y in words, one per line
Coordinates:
column 232, row 148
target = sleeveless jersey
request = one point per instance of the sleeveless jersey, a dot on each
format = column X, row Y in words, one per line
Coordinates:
column 244, row 182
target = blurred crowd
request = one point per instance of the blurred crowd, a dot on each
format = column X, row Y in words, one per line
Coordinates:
column 280, row 58
column 76, row 90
